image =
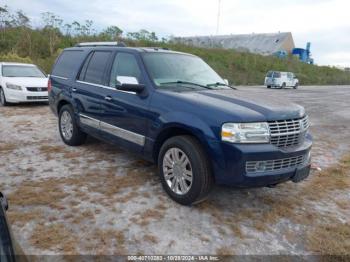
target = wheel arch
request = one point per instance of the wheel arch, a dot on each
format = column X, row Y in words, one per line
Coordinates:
column 177, row 130
column 62, row 103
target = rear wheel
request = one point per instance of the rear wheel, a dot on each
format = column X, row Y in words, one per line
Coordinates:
column 184, row 170
column 268, row 86
column 3, row 101
column 283, row 85
column 69, row 130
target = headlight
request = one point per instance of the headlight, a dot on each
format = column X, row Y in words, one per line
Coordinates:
column 245, row 132
column 12, row 86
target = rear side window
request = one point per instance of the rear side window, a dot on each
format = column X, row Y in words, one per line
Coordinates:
column 67, row 63
column 276, row 74
column 95, row 67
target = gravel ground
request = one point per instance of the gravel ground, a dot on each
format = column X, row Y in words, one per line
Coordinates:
column 98, row 199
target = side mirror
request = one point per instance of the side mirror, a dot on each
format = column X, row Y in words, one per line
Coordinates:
column 131, row 88
column 129, row 84
column 226, row 82
column 3, row 202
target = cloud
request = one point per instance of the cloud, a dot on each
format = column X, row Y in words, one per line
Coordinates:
column 325, row 23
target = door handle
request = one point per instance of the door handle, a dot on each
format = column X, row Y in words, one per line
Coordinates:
column 108, row 98
column 74, row 89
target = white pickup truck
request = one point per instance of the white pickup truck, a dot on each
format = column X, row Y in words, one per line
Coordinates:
column 281, row 80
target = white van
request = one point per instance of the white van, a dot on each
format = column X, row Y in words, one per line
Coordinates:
column 281, row 80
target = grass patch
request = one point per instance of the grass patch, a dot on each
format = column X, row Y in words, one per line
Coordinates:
column 54, row 237
column 6, row 147
column 37, row 193
column 330, row 239
column 21, row 218
column 296, row 203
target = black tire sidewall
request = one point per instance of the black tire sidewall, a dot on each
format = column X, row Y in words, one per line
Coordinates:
column 2, row 92
column 198, row 170
column 76, row 133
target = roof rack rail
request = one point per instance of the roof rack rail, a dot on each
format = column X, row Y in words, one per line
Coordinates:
column 119, row 44
column 157, row 48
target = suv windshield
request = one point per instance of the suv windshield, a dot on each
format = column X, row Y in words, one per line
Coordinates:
column 173, row 70
column 21, row 71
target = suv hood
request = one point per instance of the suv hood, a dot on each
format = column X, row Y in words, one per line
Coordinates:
column 247, row 106
column 27, row 81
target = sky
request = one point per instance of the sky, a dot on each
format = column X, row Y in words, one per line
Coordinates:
column 325, row 23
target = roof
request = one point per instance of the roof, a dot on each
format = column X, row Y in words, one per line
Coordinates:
column 132, row 49
column 255, row 43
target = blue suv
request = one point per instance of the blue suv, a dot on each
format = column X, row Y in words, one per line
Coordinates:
column 172, row 109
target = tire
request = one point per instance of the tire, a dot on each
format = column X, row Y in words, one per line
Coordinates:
column 3, row 101
column 268, row 86
column 69, row 130
column 296, row 86
column 190, row 191
column 283, row 86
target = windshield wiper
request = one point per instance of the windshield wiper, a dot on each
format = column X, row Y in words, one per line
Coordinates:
column 221, row 84
column 186, row 83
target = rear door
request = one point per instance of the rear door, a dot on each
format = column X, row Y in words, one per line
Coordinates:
column 88, row 91
column 125, row 114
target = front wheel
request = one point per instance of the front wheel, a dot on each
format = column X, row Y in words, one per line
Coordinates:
column 283, row 85
column 69, row 130
column 3, row 101
column 296, row 86
column 184, row 170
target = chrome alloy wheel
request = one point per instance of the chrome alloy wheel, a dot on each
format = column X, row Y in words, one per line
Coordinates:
column 177, row 171
column 66, row 125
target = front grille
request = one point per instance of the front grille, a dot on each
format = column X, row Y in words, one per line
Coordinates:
column 286, row 133
column 273, row 165
column 37, row 97
column 37, row 89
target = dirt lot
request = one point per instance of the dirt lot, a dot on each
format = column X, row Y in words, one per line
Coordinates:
column 98, row 199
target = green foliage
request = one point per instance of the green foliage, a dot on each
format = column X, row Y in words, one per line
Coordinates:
column 19, row 42
column 15, row 58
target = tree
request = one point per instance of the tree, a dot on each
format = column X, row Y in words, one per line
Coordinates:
column 67, row 29
column 143, row 35
column 22, row 20
column 112, row 33
column 52, row 24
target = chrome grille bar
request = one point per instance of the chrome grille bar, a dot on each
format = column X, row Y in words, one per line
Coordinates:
column 286, row 133
column 274, row 165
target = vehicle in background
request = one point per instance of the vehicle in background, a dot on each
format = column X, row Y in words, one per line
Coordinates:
column 173, row 109
column 22, row 83
column 7, row 245
column 281, row 80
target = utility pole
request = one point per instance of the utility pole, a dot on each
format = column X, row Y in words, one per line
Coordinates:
column 218, row 21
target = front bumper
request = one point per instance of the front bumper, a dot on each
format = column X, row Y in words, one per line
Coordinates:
column 231, row 169
column 22, row 96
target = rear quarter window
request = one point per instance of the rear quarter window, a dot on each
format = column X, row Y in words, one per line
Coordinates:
column 95, row 67
column 68, row 62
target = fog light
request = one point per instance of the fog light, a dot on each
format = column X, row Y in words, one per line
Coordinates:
column 260, row 166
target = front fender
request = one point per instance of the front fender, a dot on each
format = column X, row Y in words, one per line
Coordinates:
column 190, row 124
